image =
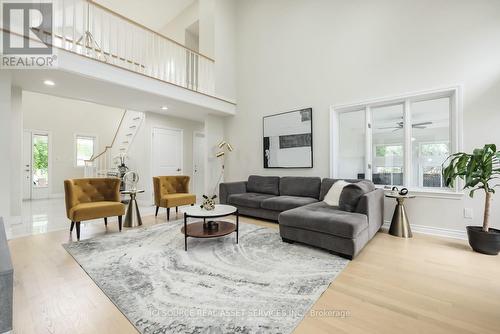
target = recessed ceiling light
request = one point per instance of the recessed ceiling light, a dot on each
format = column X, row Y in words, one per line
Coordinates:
column 49, row 83
column 164, row 108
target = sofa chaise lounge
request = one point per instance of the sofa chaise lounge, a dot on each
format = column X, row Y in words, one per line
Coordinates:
column 297, row 204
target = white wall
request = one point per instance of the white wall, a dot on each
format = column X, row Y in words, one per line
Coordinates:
column 176, row 28
column 64, row 118
column 5, row 142
column 140, row 153
column 293, row 54
column 225, row 49
column 207, row 30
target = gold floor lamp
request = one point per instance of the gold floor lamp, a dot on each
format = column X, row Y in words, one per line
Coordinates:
column 223, row 146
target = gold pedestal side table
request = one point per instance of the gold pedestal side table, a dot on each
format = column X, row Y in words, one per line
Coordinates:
column 133, row 216
column 400, row 225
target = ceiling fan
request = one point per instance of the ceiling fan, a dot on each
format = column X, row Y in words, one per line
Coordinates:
column 399, row 126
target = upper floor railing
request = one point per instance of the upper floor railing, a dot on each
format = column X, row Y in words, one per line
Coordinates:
column 89, row 29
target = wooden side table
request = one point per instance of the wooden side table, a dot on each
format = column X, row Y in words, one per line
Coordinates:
column 400, row 225
column 133, row 216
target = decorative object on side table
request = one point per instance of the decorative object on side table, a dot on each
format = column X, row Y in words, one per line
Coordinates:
column 400, row 225
column 210, row 228
column 133, row 216
column 122, row 168
column 288, row 140
column 478, row 170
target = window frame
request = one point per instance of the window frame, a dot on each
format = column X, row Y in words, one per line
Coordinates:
column 75, row 146
column 454, row 93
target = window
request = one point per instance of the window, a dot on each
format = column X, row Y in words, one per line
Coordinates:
column 85, row 146
column 389, row 150
column 402, row 141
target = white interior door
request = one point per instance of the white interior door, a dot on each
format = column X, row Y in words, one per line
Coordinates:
column 27, row 156
column 167, row 152
column 199, row 164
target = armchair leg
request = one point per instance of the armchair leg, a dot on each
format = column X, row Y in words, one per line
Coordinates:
column 72, row 226
column 168, row 214
column 120, row 223
column 106, row 221
column 176, row 209
column 77, row 230
column 156, row 214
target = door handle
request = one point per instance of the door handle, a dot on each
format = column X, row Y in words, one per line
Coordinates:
column 178, row 169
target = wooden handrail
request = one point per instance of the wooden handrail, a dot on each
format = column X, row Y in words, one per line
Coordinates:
column 146, row 28
column 93, row 158
column 123, row 68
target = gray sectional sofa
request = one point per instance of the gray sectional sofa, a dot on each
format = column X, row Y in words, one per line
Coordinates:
column 297, row 204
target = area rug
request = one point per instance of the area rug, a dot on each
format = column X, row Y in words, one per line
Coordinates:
column 261, row 285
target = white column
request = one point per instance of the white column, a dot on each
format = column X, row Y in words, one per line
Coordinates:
column 5, row 143
column 16, row 152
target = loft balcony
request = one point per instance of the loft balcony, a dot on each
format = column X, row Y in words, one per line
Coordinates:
column 98, row 49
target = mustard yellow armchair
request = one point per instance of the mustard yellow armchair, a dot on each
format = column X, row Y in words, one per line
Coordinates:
column 93, row 198
column 172, row 191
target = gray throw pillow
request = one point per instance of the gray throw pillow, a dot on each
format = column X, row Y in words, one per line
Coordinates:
column 351, row 194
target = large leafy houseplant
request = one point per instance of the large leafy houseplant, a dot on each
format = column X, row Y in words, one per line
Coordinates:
column 479, row 171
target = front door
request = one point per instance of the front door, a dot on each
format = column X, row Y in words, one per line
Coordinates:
column 36, row 157
column 167, row 152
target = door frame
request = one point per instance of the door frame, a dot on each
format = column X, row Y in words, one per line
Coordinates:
column 204, row 159
column 152, row 146
column 49, row 184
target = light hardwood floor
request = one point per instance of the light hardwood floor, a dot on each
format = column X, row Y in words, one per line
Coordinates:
column 419, row 285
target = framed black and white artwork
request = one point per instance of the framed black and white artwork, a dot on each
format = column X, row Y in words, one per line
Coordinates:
column 288, row 140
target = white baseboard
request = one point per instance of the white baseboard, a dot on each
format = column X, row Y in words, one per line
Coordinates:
column 436, row 231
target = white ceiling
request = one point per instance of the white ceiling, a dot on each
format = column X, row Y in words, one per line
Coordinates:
column 153, row 14
column 77, row 87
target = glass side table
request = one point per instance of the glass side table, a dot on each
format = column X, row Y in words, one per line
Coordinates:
column 400, row 225
column 133, row 216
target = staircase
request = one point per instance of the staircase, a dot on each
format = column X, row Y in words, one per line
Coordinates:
column 106, row 162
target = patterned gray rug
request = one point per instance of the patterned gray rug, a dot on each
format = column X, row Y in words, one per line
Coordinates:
column 261, row 285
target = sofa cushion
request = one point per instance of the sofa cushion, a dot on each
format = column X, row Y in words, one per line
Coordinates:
column 326, row 184
column 249, row 200
column 283, row 203
column 94, row 210
column 332, row 197
column 320, row 217
column 263, row 184
column 351, row 194
column 177, row 199
column 300, row 186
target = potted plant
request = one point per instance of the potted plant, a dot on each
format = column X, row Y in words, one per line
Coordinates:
column 478, row 170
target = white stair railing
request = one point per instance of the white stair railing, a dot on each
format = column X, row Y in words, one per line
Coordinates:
column 105, row 163
column 92, row 30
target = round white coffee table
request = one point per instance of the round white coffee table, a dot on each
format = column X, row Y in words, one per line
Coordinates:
column 209, row 228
